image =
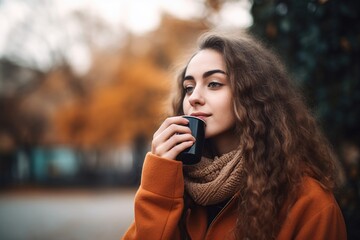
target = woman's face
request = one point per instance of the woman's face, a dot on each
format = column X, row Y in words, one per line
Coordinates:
column 208, row 93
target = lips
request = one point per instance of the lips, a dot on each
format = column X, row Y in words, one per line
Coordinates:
column 200, row 115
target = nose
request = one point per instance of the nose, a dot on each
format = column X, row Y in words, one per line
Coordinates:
column 196, row 97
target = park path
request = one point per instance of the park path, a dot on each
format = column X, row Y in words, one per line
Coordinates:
column 65, row 214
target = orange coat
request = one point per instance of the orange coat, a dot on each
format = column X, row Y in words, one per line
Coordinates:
column 159, row 204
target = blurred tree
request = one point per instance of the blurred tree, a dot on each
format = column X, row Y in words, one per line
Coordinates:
column 169, row 46
column 37, row 71
column 119, row 111
column 129, row 88
column 43, row 38
column 28, row 111
column 27, row 43
column 27, row 104
column 320, row 42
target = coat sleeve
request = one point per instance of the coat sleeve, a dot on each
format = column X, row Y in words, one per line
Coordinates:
column 158, row 201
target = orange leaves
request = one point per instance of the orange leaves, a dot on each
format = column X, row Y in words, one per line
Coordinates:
column 126, row 91
column 118, row 112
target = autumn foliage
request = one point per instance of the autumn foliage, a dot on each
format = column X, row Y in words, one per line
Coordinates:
column 127, row 92
column 123, row 109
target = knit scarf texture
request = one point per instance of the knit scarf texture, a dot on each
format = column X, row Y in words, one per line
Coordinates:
column 212, row 181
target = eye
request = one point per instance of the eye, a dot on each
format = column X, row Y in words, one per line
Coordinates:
column 215, row 85
column 188, row 89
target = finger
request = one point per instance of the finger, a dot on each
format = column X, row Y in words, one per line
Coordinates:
column 176, row 150
column 172, row 130
column 176, row 140
column 172, row 142
column 170, row 121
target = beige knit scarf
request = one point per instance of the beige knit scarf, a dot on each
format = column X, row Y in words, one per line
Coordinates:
column 212, row 181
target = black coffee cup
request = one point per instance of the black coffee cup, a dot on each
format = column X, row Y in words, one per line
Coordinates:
column 192, row 155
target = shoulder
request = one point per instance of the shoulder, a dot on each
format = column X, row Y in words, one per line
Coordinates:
column 314, row 214
column 312, row 199
column 312, row 192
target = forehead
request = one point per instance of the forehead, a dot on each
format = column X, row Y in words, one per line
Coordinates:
column 205, row 60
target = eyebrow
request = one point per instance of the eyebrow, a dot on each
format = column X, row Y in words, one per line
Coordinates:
column 206, row 74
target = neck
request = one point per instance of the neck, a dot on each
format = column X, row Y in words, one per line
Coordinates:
column 225, row 142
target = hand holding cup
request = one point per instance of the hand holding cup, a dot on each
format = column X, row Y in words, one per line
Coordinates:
column 193, row 154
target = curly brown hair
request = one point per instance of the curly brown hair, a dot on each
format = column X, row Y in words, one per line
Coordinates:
column 279, row 137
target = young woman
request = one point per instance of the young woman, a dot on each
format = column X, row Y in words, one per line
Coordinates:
column 267, row 171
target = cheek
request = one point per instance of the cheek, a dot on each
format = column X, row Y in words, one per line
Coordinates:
column 185, row 106
column 228, row 114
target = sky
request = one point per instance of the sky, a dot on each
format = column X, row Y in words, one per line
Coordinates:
column 52, row 22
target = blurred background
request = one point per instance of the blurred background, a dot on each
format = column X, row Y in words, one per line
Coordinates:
column 84, row 84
